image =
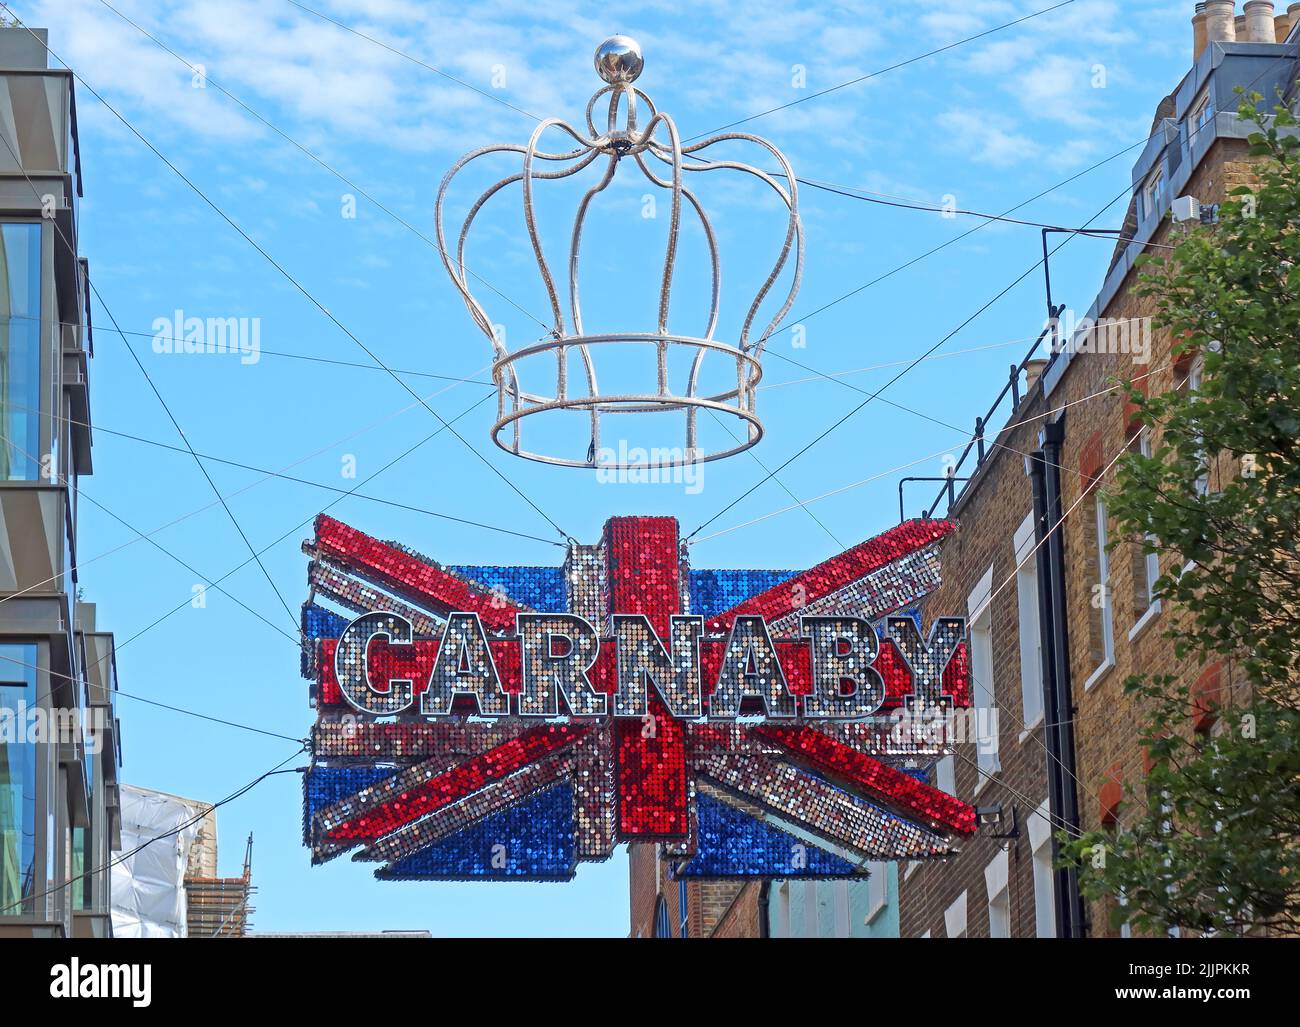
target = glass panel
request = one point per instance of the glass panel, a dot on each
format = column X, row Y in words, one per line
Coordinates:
column 1096, row 562
column 1139, row 561
column 981, row 672
column 18, row 765
column 662, row 929
column 20, row 351
column 83, row 846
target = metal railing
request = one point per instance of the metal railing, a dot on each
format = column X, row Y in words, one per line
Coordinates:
column 977, row 442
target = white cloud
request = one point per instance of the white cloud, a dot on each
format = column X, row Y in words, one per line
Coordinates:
column 986, row 139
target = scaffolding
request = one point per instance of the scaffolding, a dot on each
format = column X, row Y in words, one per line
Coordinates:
column 219, row 907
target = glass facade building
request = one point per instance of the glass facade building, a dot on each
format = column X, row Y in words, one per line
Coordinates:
column 59, row 754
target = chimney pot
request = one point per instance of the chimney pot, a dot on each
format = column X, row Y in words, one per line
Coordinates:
column 1259, row 21
column 1033, row 371
column 1221, row 21
column 1199, row 35
column 1292, row 16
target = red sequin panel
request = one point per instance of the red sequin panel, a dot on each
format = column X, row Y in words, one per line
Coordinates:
column 604, row 672
column 836, row 573
column 644, row 575
column 795, row 657
column 415, row 579
column 896, row 789
column 956, row 677
column 458, row 782
column 652, row 777
column 891, row 666
column 644, row 572
column 796, row 664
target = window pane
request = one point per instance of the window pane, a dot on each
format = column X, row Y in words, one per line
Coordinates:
column 1097, row 567
column 17, row 780
column 1031, row 646
column 662, row 929
column 981, row 672
column 20, row 351
column 1139, row 564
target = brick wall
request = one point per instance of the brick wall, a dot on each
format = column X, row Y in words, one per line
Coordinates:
column 727, row 909
column 1097, row 428
column 643, row 889
column 742, row 916
column 993, row 508
column 1109, row 756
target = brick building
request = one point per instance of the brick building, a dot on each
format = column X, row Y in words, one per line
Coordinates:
column 1067, row 621
column 1056, row 621
column 665, row 908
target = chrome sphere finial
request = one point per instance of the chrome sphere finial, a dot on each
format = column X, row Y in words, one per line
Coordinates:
column 618, row 60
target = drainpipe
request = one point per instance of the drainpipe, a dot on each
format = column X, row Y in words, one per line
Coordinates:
column 1043, row 467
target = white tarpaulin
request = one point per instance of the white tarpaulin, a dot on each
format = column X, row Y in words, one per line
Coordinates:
column 148, row 887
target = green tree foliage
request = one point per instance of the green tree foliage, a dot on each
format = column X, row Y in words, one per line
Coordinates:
column 1208, row 842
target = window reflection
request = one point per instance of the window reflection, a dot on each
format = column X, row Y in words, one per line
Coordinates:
column 18, row 762
column 20, row 351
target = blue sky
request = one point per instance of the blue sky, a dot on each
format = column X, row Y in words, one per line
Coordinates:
column 988, row 124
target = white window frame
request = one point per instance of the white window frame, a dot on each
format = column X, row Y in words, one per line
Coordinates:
column 1202, row 114
column 1151, row 190
column 1029, row 628
column 945, row 775
column 1039, row 826
column 877, row 891
column 954, row 918
column 1150, row 563
column 1196, row 375
column 1107, row 614
column 983, row 686
column 997, row 880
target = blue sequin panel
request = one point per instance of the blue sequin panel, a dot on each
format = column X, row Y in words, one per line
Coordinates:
column 734, row 844
column 713, row 592
column 317, row 622
column 541, row 588
column 531, row 841
column 324, row 786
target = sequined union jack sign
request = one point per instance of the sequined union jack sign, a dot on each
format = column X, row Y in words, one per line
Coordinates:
column 509, row 723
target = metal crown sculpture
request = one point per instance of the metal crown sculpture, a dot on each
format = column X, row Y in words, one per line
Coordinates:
column 619, row 62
